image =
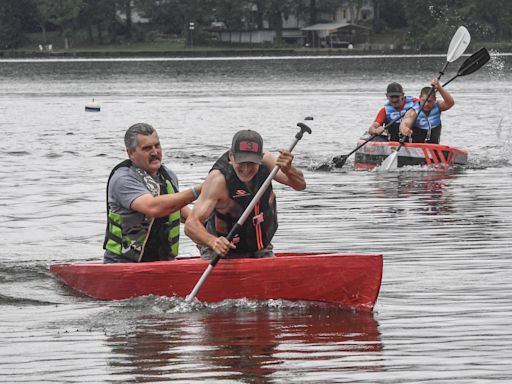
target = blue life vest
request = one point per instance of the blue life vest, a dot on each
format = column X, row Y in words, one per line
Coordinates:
column 392, row 113
column 428, row 120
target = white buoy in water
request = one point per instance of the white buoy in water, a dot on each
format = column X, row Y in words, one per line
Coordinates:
column 92, row 107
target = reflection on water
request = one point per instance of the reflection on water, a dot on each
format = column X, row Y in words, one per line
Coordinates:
column 259, row 344
column 431, row 188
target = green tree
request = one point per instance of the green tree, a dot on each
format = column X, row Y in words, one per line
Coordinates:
column 388, row 15
column 259, row 10
column 488, row 20
column 234, row 13
column 430, row 22
column 275, row 11
column 309, row 10
column 354, row 7
column 43, row 12
column 99, row 15
column 12, row 13
column 62, row 13
column 126, row 5
column 174, row 16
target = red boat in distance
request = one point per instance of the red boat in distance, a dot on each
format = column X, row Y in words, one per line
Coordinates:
column 347, row 280
column 373, row 153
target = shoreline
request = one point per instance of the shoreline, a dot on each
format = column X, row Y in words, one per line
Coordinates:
column 212, row 53
column 200, row 53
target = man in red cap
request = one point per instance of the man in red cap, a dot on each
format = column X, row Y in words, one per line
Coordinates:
column 395, row 107
column 227, row 191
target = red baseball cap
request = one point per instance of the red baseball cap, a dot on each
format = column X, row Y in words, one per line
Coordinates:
column 247, row 146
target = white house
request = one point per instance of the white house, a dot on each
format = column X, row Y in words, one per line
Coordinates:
column 340, row 29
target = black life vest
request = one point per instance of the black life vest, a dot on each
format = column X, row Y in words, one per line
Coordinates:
column 261, row 225
column 136, row 237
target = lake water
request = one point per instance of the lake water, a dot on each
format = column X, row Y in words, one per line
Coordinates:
column 445, row 307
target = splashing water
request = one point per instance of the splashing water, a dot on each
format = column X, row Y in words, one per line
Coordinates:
column 496, row 65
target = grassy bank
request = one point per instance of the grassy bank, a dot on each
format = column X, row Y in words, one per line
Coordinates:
column 162, row 46
column 177, row 47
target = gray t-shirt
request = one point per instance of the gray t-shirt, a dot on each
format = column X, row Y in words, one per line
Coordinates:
column 125, row 186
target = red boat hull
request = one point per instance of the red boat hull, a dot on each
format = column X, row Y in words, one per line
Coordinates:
column 346, row 280
column 374, row 152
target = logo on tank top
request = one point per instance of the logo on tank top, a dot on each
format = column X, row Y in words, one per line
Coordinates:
column 241, row 193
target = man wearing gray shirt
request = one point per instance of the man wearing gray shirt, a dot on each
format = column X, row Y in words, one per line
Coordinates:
column 144, row 205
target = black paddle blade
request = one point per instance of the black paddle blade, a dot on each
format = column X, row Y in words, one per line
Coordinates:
column 324, row 167
column 339, row 161
column 336, row 162
column 474, row 62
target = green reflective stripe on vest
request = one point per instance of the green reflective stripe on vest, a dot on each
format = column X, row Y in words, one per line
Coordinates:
column 127, row 234
column 115, row 233
column 113, row 247
column 174, row 222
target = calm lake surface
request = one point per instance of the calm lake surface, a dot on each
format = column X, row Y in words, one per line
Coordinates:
column 444, row 313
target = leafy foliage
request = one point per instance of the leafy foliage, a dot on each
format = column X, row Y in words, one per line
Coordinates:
column 12, row 14
column 427, row 22
column 430, row 21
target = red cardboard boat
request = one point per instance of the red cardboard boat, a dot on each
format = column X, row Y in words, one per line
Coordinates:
column 374, row 152
column 349, row 280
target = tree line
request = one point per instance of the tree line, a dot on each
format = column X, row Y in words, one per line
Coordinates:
column 427, row 22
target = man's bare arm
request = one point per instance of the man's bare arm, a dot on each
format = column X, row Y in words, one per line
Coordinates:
column 164, row 205
column 376, row 129
column 447, row 101
column 407, row 122
column 213, row 193
column 287, row 174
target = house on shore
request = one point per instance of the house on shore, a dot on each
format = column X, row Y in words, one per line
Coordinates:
column 337, row 35
column 347, row 27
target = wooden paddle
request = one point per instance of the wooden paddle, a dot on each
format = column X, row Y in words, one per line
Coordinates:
column 303, row 128
column 458, row 45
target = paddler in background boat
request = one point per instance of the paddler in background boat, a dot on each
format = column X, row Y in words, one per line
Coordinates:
column 427, row 127
column 144, row 204
column 396, row 106
column 228, row 190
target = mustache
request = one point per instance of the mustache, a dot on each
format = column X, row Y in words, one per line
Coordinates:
column 154, row 157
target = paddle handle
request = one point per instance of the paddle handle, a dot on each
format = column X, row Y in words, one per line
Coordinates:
column 449, row 81
column 303, row 128
column 432, row 90
column 441, row 72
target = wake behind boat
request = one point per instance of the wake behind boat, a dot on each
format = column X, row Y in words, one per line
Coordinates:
column 347, row 280
column 376, row 151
